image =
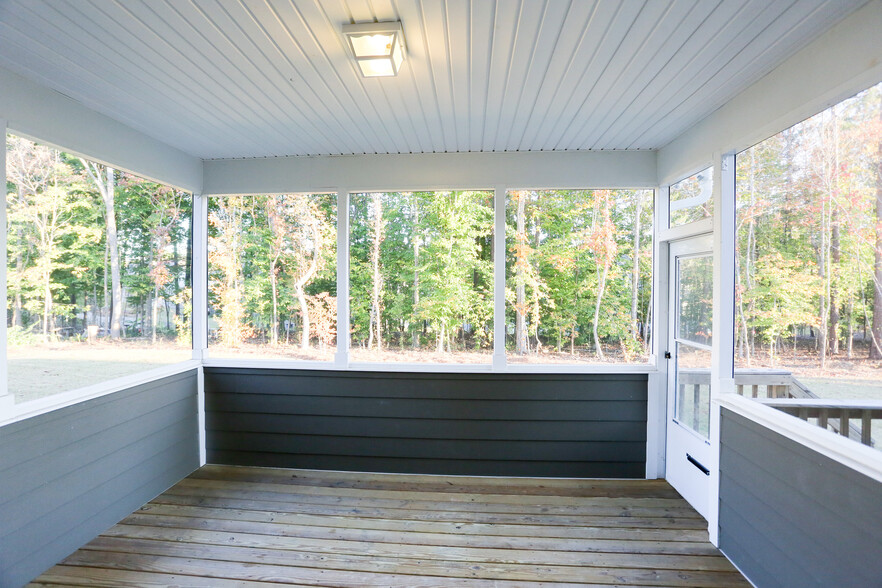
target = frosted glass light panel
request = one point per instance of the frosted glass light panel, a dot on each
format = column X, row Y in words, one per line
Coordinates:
column 691, row 199
column 98, row 272
column 421, row 277
column 805, row 250
column 578, row 276
column 272, row 277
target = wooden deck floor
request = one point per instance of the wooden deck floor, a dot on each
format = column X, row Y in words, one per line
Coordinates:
column 232, row 526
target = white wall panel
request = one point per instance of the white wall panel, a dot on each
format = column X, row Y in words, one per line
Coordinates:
column 608, row 169
column 40, row 113
column 838, row 64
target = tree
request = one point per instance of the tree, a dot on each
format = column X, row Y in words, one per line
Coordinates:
column 377, row 274
column 41, row 208
column 876, row 347
column 103, row 179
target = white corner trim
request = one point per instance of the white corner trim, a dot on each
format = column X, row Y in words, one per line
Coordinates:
column 852, row 454
column 40, row 406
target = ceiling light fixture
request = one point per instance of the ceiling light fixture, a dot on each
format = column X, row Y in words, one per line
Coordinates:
column 378, row 47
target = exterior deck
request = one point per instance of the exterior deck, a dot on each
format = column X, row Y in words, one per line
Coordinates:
column 235, row 526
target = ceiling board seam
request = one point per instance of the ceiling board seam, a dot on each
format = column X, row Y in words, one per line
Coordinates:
column 657, row 99
column 742, row 80
column 541, row 83
column 159, row 67
column 540, row 124
column 81, row 96
column 594, row 121
column 445, row 27
column 552, row 129
column 151, row 31
column 653, row 81
column 590, row 92
column 511, row 52
column 229, row 40
column 523, row 88
column 422, row 18
column 721, row 68
column 294, row 43
column 492, row 45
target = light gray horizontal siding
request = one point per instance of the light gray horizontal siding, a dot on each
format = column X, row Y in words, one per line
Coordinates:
column 67, row 475
column 585, row 425
column 792, row 517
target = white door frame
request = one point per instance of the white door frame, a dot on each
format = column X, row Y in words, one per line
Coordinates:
column 688, row 452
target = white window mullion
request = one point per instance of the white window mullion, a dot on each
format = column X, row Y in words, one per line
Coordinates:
column 6, row 399
column 722, row 377
column 499, row 278
column 341, row 358
column 656, row 406
column 199, row 275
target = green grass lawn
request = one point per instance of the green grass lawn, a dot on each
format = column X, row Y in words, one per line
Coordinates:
column 41, row 371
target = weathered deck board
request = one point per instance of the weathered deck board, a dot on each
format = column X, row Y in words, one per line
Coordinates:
column 228, row 526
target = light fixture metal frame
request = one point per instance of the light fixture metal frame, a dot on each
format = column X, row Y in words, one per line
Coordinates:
column 377, row 28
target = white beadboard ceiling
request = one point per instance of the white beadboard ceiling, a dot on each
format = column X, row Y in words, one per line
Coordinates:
column 259, row 78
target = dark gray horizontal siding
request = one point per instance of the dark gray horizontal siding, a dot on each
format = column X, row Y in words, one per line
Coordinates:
column 792, row 517
column 69, row 474
column 492, row 424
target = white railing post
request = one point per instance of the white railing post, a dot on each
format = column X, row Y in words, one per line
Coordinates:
column 499, row 278
column 199, row 280
column 6, row 399
column 341, row 357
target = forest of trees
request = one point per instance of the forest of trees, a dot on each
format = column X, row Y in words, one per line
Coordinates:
column 421, row 274
column 809, row 239
column 272, row 273
column 579, row 267
column 93, row 251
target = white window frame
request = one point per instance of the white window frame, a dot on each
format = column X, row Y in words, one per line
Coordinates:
column 10, row 412
column 498, row 364
column 699, row 227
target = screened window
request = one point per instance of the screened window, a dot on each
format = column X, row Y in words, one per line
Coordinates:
column 578, row 276
column 421, row 276
column 98, row 272
column 691, row 200
column 272, row 277
column 808, row 300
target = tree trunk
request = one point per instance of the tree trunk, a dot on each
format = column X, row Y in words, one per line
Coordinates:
column 304, row 313
column 598, row 349
column 274, row 286
column 113, row 245
column 635, row 272
column 850, row 337
column 876, row 334
column 105, row 185
column 415, row 343
column 520, row 276
column 154, row 308
column 835, row 253
column 377, row 276
column 47, row 303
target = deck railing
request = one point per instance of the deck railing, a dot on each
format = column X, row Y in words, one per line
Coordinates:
column 834, row 414
column 779, row 389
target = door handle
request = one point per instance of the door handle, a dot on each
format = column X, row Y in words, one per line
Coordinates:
column 667, row 355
